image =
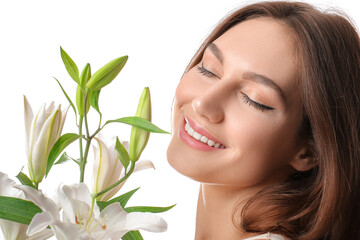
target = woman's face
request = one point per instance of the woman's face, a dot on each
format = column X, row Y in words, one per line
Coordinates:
column 237, row 113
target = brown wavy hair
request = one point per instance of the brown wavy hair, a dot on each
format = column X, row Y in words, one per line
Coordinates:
column 322, row 203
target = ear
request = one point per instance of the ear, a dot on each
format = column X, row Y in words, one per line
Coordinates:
column 304, row 159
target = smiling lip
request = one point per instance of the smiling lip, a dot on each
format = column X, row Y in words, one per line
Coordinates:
column 185, row 137
column 202, row 131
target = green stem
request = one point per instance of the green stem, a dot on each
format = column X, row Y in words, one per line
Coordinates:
column 81, row 148
column 83, row 162
column 88, row 142
column 85, row 115
column 96, row 132
column 118, row 182
column 36, row 185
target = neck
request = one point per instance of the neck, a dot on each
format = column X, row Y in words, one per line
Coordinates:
column 218, row 206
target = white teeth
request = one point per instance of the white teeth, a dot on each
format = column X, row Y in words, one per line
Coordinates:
column 204, row 139
column 197, row 136
column 191, row 131
column 201, row 138
column 211, row 143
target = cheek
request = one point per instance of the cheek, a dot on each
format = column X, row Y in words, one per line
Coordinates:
column 261, row 151
column 189, row 88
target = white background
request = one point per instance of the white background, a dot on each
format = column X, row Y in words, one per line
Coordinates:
column 159, row 37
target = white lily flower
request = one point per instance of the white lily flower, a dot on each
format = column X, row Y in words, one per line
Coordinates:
column 108, row 169
column 82, row 220
column 41, row 134
column 13, row 230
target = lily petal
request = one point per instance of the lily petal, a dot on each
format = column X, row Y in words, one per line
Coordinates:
column 45, row 234
column 50, row 109
column 145, row 221
column 75, row 197
column 36, row 126
column 12, row 230
column 28, row 114
column 112, row 176
column 139, row 165
column 43, row 146
column 63, row 117
column 78, row 191
column 102, row 166
column 7, row 189
column 44, row 203
column 118, row 222
column 39, row 222
column 68, row 231
column 142, row 165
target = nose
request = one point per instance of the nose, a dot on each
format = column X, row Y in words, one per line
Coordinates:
column 209, row 104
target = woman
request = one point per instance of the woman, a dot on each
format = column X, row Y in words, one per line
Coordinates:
column 266, row 117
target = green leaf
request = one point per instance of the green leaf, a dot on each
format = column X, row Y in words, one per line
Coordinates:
column 148, row 209
column 64, row 157
column 106, row 74
column 17, row 210
column 122, row 154
column 102, row 204
column 122, row 199
column 140, row 123
column 85, row 76
column 25, row 180
column 67, row 96
column 58, row 147
column 94, row 100
column 70, row 66
column 132, row 235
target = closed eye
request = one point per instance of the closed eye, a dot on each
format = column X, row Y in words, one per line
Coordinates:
column 205, row 72
column 256, row 105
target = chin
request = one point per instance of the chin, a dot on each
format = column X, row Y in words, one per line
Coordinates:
column 183, row 164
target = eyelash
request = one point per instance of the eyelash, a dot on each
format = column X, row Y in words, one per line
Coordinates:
column 256, row 105
column 205, row 72
column 246, row 99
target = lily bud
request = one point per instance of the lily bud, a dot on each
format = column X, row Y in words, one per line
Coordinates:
column 41, row 134
column 106, row 74
column 139, row 137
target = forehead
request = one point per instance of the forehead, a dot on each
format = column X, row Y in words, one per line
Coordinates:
column 264, row 46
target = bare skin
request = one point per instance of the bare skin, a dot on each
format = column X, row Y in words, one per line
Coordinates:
column 244, row 96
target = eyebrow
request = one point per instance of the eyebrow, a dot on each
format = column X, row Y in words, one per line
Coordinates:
column 216, row 51
column 248, row 75
column 265, row 81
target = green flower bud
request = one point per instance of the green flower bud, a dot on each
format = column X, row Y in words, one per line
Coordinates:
column 106, row 74
column 80, row 101
column 85, row 76
column 139, row 137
